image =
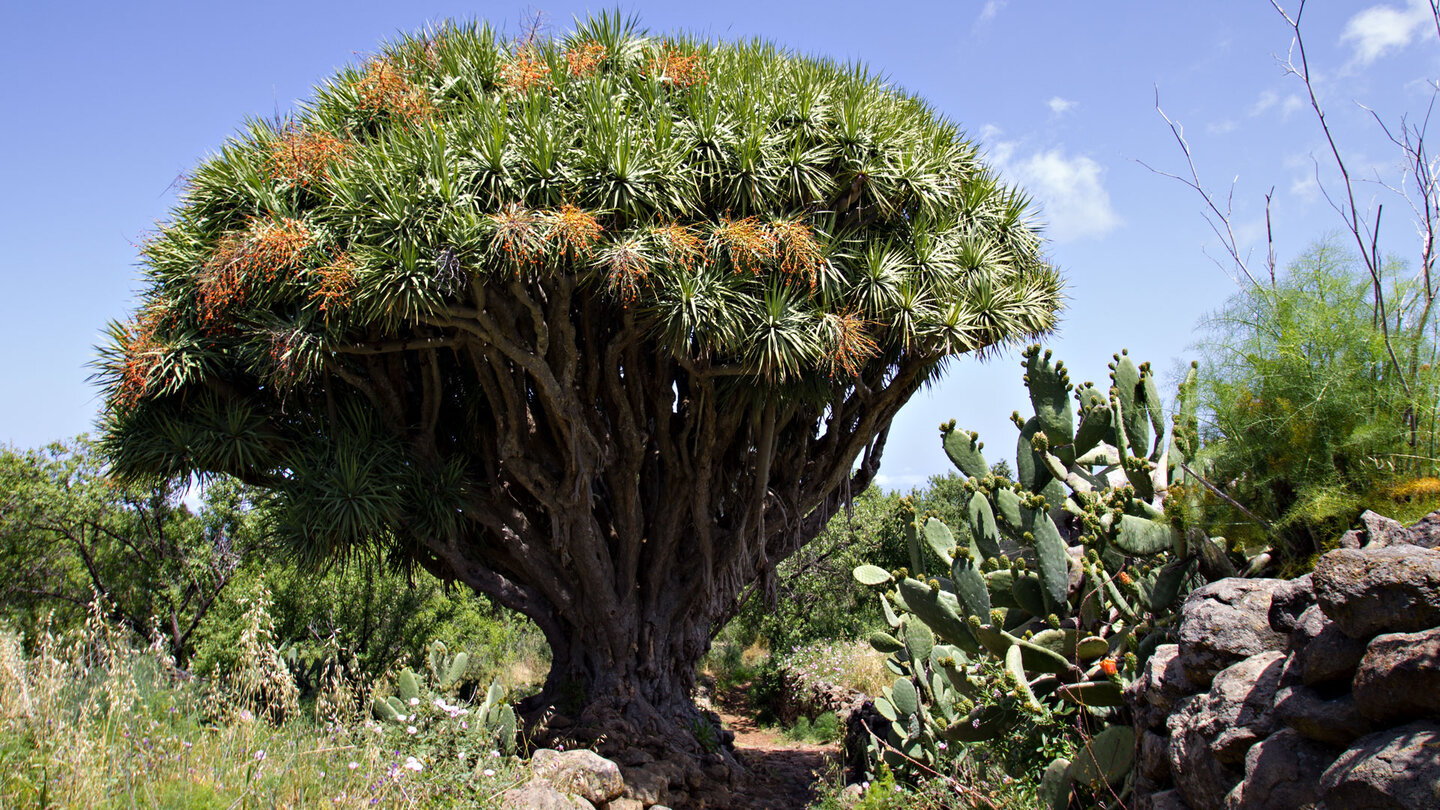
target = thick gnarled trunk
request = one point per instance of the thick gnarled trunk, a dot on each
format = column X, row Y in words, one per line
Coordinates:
column 630, row 498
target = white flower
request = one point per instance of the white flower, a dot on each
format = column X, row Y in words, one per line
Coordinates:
column 246, row 716
column 259, row 756
column 494, row 754
column 414, row 701
column 410, row 729
column 413, row 764
column 353, row 765
column 489, row 771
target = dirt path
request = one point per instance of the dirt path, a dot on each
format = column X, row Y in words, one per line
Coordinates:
column 782, row 771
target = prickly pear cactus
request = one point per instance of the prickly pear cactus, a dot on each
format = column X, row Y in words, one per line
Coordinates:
column 1063, row 581
column 432, row 702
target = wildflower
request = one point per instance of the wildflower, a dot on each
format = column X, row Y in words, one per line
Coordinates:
column 259, row 756
column 413, row 764
column 414, row 701
column 353, row 765
column 494, row 754
column 410, row 729
column 246, row 716
column 489, row 771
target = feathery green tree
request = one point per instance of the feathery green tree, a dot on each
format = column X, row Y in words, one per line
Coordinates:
column 1307, row 419
column 604, row 326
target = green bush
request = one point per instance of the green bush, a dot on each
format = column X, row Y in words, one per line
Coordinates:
column 1305, row 419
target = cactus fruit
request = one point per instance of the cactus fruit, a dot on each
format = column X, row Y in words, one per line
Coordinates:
column 1064, row 580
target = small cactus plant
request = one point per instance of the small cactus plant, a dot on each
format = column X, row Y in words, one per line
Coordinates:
column 1067, row 577
column 493, row 721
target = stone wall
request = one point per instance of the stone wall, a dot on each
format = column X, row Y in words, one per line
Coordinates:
column 1321, row 692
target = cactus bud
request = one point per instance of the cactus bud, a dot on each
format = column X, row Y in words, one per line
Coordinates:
column 1053, row 621
column 1131, row 662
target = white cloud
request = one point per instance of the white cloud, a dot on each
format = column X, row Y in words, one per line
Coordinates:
column 1303, row 183
column 1070, row 189
column 901, row 483
column 1222, row 127
column 1270, row 100
column 1380, row 29
column 1266, row 100
column 991, row 9
column 1060, row 106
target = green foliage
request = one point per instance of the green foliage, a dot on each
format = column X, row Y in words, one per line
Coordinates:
column 366, row 616
column 427, row 713
column 760, row 224
column 70, row 532
column 824, row 728
column 816, row 597
column 1306, row 420
column 1069, row 578
column 88, row 719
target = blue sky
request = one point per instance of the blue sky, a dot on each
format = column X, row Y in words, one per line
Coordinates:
column 108, row 104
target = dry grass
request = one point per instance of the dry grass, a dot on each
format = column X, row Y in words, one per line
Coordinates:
column 852, row 665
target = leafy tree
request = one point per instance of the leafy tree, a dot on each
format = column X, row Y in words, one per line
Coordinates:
column 1307, row 416
column 366, row 617
column 70, row 534
column 815, row 596
column 605, row 327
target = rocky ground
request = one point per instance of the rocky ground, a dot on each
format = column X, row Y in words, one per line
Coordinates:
column 783, row 772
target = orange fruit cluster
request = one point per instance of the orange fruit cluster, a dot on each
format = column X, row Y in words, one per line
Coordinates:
column 677, row 68
column 142, row 353
column 337, row 282
column 800, row 254
column 852, row 346
column 585, row 58
column 748, row 242
column 525, row 71
column 264, row 251
column 573, row 230
column 385, row 89
column 682, row 244
column 304, row 157
column 626, row 268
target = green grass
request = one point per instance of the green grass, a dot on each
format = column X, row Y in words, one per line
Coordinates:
column 90, row 720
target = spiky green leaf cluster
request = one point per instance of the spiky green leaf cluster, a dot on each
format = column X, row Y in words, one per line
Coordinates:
column 796, row 228
column 812, row 191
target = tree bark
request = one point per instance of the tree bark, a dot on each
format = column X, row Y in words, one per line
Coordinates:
column 621, row 495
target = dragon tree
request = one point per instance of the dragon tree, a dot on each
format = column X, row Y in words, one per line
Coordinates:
column 603, row 326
